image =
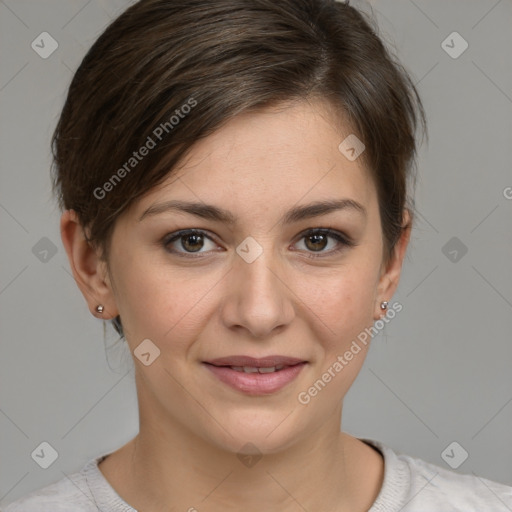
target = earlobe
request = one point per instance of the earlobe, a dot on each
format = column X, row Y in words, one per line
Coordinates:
column 89, row 270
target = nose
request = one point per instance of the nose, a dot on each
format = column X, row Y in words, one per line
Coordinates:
column 258, row 300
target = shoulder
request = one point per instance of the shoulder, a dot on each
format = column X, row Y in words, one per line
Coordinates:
column 59, row 496
column 420, row 486
column 434, row 485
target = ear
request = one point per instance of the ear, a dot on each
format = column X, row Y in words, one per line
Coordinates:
column 89, row 270
column 391, row 270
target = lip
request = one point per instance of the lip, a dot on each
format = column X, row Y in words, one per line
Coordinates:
column 262, row 362
column 256, row 383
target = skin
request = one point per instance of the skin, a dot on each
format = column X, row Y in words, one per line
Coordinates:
column 191, row 424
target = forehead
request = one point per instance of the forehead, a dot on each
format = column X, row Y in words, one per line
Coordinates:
column 275, row 157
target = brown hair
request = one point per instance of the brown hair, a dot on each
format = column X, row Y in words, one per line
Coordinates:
column 166, row 73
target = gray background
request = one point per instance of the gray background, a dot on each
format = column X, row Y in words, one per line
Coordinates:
column 441, row 372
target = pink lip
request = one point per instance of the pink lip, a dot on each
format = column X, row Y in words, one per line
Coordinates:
column 262, row 362
column 256, row 383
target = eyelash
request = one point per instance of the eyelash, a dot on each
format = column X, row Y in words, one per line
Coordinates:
column 342, row 239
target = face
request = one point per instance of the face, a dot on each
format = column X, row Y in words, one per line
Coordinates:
column 251, row 272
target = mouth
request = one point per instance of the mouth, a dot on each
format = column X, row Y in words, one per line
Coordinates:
column 262, row 369
column 256, row 376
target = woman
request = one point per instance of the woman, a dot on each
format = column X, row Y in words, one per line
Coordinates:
column 234, row 176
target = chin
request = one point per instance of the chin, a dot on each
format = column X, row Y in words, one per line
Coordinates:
column 256, row 433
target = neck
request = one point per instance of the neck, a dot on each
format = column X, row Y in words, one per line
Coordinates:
column 327, row 470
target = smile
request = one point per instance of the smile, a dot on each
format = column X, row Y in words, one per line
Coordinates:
column 253, row 376
column 252, row 369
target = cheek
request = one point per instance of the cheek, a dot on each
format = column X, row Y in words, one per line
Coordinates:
column 342, row 303
column 161, row 306
column 343, row 308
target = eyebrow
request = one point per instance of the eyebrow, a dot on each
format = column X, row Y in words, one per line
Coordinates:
column 214, row 213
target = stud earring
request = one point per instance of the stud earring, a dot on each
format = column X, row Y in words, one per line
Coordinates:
column 99, row 308
column 384, row 305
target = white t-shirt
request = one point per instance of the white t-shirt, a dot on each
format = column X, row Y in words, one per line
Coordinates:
column 410, row 485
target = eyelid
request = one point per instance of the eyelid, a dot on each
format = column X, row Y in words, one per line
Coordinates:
column 344, row 242
column 327, row 231
column 176, row 235
column 342, row 238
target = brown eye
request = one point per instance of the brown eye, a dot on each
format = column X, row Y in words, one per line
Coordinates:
column 317, row 240
column 192, row 242
column 186, row 242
